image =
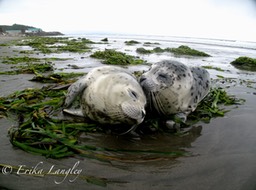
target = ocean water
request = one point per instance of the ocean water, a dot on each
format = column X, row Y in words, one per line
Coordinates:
column 221, row 52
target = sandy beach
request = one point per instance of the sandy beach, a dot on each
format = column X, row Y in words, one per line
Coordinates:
column 221, row 154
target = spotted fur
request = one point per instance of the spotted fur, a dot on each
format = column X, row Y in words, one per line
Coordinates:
column 172, row 87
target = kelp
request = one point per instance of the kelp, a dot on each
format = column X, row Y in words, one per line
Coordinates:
column 73, row 46
column 210, row 106
column 63, row 78
column 16, row 60
column 48, row 45
column 4, row 44
column 215, row 68
column 30, row 65
column 29, row 68
column 185, row 50
column 151, row 43
column 143, row 51
column 245, row 63
column 41, row 131
column 131, row 42
column 112, row 57
column 26, row 59
column 181, row 50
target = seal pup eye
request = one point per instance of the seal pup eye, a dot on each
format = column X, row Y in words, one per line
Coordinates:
column 133, row 93
column 162, row 76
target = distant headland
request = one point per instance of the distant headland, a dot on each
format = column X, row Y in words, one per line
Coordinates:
column 19, row 29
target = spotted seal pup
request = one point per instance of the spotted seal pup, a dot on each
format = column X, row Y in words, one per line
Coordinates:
column 108, row 95
column 173, row 88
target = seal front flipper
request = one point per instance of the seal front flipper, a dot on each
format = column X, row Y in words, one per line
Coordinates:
column 75, row 90
column 175, row 123
column 74, row 112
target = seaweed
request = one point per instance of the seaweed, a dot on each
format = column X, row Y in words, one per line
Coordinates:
column 181, row 50
column 158, row 50
column 41, row 131
column 215, row 68
column 16, row 60
column 74, row 46
column 151, row 43
column 35, row 68
column 29, row 68
column 210, row 106
column 56, row 77
column 185, row 50
column 143, row 51
column 131, row 42
column 48, row 45
column 112, row 57
column 245, row 63
column 4, row 45
column 30, row 65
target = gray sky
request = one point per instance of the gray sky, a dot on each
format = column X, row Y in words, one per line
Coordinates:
column 227, row 19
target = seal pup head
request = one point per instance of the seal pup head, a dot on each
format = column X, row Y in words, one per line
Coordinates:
column 171, row 87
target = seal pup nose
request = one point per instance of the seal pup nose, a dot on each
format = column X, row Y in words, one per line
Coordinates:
column 143, row 113
column 142, row 78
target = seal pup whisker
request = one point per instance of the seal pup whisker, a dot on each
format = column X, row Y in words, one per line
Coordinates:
column 157, row 103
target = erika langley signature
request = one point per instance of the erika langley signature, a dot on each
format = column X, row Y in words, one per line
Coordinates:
column 71, row 173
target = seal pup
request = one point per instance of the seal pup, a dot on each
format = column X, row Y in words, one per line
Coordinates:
column 108, row 95
column 173, row 88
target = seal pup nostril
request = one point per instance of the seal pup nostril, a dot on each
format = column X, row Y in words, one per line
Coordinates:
column 143, row 113
column 142, row 78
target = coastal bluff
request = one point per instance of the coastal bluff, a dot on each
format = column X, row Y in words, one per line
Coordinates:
column 24, row 30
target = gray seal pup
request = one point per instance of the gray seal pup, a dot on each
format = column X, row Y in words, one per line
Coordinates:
column 173, row 88
column 108, row 95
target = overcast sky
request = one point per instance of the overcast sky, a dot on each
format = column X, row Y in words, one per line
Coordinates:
column 226, row 19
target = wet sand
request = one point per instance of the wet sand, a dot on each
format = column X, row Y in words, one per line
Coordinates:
column 221, row 155
column 6, row 38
